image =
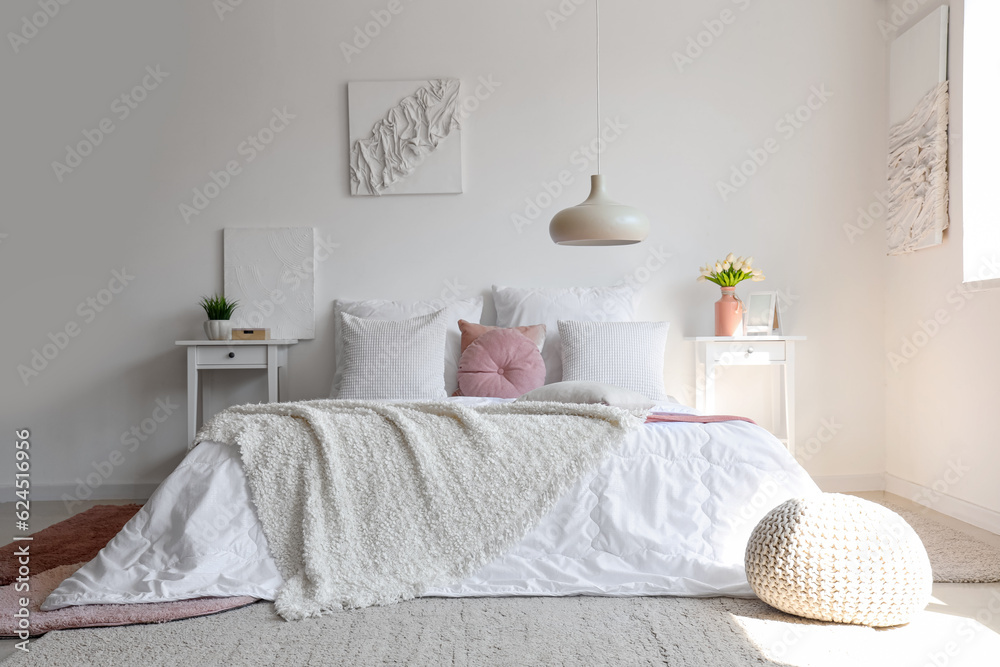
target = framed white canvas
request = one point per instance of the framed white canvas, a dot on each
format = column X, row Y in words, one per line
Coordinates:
column 918, row 189
column 405, row 137
column 762, row 314
column 270, row 271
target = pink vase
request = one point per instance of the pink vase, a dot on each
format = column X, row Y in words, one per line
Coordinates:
column 728, row 314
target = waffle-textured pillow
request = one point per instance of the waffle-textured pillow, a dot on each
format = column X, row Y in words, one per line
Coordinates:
column 502, row 363
column 838, row 558
column 590, row 393
column 471, row 331
column 623, row 354
column 379, row 309
column 394, row 360
column 518, row 307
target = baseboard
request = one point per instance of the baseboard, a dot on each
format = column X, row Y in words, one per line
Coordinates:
column 956, row 508
column 46, row 492
column 850, row 483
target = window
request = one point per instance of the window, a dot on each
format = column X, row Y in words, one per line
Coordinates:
column 981, row 143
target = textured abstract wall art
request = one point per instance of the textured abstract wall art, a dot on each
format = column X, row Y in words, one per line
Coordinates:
column 271, row 272
column 405, row 137
column 918, row 136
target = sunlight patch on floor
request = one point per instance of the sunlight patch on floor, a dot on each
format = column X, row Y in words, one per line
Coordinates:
column 933, row 639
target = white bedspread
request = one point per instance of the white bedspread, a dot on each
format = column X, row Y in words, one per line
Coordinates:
column 668, row 515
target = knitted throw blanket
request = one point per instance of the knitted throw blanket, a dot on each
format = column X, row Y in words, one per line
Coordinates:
column 367, row 503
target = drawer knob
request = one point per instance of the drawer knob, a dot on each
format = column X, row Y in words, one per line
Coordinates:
column 232, row 355
column 749, row 351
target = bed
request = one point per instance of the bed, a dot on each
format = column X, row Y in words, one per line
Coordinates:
column 668, row 514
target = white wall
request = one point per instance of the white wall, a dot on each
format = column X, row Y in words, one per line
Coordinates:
column 942, row 360
column 685, row 131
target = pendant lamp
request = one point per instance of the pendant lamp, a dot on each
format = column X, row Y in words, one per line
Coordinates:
column 599, row 220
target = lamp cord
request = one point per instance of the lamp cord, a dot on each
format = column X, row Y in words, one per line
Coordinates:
column 597, row 4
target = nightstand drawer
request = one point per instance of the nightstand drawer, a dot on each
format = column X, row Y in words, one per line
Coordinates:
column 745, row 353
column 237, row 355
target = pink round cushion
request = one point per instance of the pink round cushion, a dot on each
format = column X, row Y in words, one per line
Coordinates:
column 502, row 363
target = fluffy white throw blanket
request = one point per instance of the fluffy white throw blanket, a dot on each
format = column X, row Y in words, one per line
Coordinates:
column 367, row 503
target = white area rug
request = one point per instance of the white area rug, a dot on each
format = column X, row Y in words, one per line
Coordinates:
column 520, row 631
column 955, row 557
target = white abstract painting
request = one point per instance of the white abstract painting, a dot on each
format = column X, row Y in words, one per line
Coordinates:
column 271, row 273
column 405, row 137
column 918, row 137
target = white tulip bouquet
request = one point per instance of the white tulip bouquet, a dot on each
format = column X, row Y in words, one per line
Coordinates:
column 731, row 271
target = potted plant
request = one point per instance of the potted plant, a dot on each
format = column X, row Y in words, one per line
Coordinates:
column 219, row 311
column 727, row 274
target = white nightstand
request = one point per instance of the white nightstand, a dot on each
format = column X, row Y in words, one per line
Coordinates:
column 203, row 355
column 712, row 352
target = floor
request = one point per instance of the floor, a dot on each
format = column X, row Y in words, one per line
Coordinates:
column 978, row 602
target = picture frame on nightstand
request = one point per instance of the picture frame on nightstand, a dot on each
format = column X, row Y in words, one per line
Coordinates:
column 763, row 317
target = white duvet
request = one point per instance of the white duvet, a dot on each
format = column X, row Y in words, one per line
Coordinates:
column 670, row 514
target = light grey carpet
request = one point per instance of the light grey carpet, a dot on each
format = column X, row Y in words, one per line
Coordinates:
column 717, row 632
column 505, row 631
column 553, row 631
column 956, row 558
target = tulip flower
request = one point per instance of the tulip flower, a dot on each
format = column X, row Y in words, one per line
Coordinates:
column 730, row 271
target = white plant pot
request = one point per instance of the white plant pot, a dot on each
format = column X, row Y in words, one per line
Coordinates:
column 218, row 329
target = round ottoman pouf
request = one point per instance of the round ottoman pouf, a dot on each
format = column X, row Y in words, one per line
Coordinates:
column 838, row 558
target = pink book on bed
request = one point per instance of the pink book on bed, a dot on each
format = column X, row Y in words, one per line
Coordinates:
column 668, row 417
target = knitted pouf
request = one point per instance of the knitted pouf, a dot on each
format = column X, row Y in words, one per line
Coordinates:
column 838, row 558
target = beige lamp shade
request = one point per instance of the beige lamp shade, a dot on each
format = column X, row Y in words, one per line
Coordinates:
column 599, row 221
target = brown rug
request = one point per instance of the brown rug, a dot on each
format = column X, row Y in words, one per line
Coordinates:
column 59, row 551
column 75, row 540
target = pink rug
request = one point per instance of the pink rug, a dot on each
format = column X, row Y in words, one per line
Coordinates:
column 62, row 549
column 98, row 615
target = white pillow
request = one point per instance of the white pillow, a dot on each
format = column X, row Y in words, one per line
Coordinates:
column 590, row 392
column 623, row 354
column 463, row 309
column 394, row 360
column 517, row 307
